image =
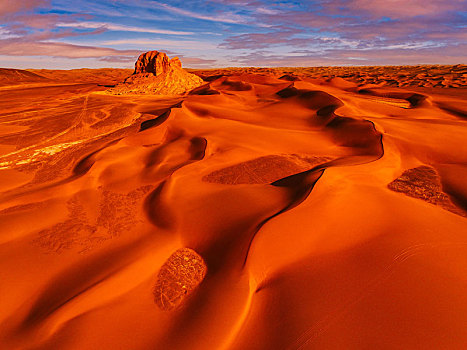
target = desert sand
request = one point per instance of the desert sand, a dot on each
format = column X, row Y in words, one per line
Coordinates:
column 289, row 208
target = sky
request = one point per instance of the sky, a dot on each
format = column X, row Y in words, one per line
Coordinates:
column 66, row 34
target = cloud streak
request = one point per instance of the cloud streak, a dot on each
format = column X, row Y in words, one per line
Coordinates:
column 340, row 57
column 192, row 44
column 224, row 18
column 8, row 7
column 397, row 9
column 12, row 47
column 119, row 27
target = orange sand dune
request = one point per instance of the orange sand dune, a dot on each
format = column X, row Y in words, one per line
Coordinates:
column 264, row 210
column 105, row 76
column 10, row 76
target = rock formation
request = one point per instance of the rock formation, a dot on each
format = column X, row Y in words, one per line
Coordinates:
column 156, row 74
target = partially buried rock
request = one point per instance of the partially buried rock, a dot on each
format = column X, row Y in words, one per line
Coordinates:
column 424, row 183
column 183, row 271
column 264, row 170
column 156, row 74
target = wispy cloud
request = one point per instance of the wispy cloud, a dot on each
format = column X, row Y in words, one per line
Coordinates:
column 266, row 11
column 120, row 27
column 226, row 17
column 12, row 47
column 11, row 6
column 341, row 57
column 5, row 34
column 191, row 44
column 196, row 61
column 396, row 8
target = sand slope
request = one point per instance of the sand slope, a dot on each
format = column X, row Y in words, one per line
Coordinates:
column 19, row 76
column 105, row 76
column 261, row 211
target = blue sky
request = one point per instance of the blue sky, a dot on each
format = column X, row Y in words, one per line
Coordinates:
column 218, row 33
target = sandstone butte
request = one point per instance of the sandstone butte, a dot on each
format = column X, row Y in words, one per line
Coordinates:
column 156, row 74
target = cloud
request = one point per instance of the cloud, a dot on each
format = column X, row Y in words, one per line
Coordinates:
column 196, row 62
column 338, row 57
column 256, row 40
column 6, row 34
column 287, row 37
column 187, row 44
column 119, row 27
column 226, row 17
column 266, row 11
column 72, row 51
column 8, row 7
column 354, row 26
column 398, row 8
column 14, row 47
column 36, row 21
column 117, row 59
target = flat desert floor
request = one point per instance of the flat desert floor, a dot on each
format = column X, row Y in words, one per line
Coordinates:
column 320, row 208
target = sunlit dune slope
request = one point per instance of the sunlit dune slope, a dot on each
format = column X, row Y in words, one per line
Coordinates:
column 259, row 211
column 18, row 76
column 105, row 76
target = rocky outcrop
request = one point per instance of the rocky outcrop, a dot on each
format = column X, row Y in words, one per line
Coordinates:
column 156, row 74
column 154, row 62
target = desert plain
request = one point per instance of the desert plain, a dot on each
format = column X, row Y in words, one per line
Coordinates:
column 267, row 208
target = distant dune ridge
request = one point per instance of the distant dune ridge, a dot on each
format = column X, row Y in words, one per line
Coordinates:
column 423, row 76
column 156, row 74
column 19, row 76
